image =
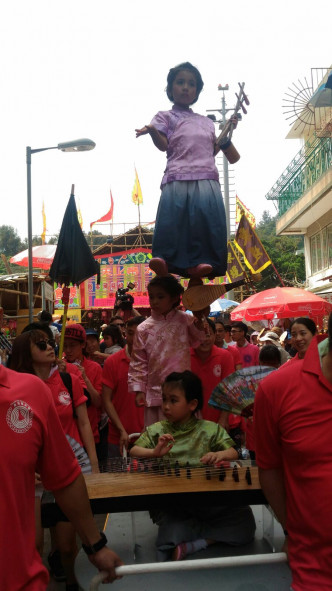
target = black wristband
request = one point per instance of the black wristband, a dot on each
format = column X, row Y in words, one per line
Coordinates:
column 94, row 548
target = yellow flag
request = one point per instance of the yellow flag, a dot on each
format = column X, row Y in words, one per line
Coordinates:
column 136, row 195
column 43, row 234
column 253, row 251
column 235, row 271
column 240, row 209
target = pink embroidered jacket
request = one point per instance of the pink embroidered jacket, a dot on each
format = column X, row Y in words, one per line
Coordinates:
column 161, row 345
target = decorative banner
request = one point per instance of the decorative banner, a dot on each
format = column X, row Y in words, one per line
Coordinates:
column 241, row 209
column 107, row 217
column 248, row 243
column 136, row 195
column 117, row 270
column 235, row 271
column 74, row 297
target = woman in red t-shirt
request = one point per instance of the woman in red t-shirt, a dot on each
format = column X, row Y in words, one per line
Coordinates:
column 34, row 353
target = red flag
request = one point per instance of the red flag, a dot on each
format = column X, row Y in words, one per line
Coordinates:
column 107, row 217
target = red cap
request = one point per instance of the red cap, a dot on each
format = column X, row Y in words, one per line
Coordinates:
column 76, row 332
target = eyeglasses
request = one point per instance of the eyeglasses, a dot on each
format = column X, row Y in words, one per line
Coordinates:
column 42, row 345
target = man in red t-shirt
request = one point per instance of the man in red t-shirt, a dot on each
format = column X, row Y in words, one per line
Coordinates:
column 293, row 423
column 220, row 342
column 212, row 365
column 249, row 357
column 125, row 417
column 33, row 441
column 249, row 354
column 91, row 372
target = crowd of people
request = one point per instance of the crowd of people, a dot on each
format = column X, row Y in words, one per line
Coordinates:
column 153, row 377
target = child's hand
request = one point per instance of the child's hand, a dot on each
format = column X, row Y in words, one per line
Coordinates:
column 61, row 364
column 165, row 443
column 212, row 458
column 123, row 441
column 234, row 120
column 143, row 131
column 140, row 399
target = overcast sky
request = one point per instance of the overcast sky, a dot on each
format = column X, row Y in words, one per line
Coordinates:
column 77, row 68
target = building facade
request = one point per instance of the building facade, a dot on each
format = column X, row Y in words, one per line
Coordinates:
column 304, row 191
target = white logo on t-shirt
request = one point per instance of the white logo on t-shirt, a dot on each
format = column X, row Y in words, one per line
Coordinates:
column 217, row 370
column 64, row 398
column 19, row 416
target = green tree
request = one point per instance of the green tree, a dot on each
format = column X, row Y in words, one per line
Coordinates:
column 282, row 252
column 10, row 244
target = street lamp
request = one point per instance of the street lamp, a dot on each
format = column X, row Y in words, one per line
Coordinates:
column 81, row 145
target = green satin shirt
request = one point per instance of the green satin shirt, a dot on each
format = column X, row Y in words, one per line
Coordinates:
column 192, row 439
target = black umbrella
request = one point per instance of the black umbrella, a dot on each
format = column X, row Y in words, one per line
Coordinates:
column 73, row 260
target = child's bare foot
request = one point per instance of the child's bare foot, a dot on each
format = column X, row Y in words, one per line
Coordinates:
column 159, row 266
column 202, row 270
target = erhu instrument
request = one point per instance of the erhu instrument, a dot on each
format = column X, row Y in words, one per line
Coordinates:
column 224, row 139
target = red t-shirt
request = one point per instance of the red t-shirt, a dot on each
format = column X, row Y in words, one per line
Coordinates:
column 218, row 366
column 293, row 424
column 94, row 373
column 235, row 354
column 63, row 402
column 32, row 441
column 115, row 376
column 249, row 355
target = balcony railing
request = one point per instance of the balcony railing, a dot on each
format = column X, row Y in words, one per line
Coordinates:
column 308, row 166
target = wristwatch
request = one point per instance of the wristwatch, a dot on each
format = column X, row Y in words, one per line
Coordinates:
column 94, row 548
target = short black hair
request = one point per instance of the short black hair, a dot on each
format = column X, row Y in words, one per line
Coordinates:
column 174, row 72
column 308, row 323
column 114, row 331
column 116, row 317
column 190, row 383
column 135, row 321
column 211, row 325
column 46, row 316
column 217, row 321
column 269, row 354
column 168, row 283
column 241, row 326
column 44, row 326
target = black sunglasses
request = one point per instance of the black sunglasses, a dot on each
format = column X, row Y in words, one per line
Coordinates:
column 42, row 345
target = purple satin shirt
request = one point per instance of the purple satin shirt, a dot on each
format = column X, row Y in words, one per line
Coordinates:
column 191, row 138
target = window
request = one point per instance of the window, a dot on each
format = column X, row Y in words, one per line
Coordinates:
column 321, row 250
column 329, row 245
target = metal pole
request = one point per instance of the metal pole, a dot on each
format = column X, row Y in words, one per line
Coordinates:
column 226, row 177
column 29, row 214
column 186, row 565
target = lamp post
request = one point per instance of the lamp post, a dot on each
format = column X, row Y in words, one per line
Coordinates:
column 81, row 145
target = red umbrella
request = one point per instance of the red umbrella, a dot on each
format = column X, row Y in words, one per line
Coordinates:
column 281, row 302
column 42, row 257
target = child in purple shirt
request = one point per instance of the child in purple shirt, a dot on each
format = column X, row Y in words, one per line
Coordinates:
column 190, row 236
